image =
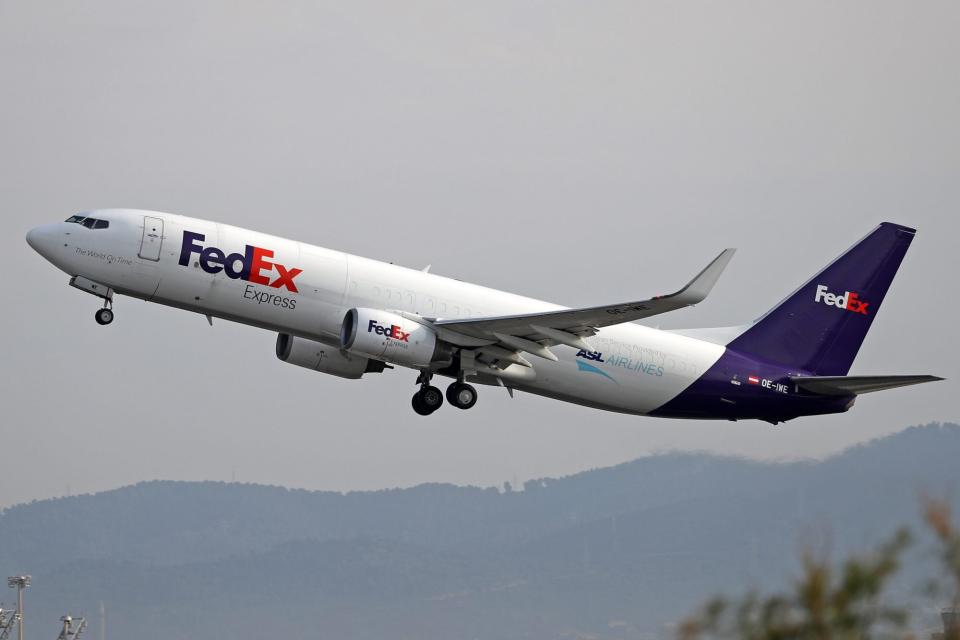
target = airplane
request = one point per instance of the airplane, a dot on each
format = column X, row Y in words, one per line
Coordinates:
column 349, row 316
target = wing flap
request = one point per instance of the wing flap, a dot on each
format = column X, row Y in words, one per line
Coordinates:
column 855, row 385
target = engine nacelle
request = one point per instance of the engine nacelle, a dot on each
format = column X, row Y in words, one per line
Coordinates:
column 324, row 358
column 391, row 337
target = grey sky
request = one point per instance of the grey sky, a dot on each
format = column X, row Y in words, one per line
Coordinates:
column 578, row 152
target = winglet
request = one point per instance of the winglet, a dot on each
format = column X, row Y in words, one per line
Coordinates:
column 698, row 288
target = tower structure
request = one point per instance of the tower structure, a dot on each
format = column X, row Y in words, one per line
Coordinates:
column 6, row 623
column 20, row 583
column 72, row 627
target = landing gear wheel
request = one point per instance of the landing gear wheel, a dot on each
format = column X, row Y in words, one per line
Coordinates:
column 430, row 398
column 104, row 316
column 418, row 405
column 461, row 395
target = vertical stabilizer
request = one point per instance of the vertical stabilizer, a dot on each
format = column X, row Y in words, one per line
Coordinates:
column 820, row 326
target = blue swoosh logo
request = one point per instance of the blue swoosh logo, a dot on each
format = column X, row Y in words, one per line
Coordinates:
column 583, row 366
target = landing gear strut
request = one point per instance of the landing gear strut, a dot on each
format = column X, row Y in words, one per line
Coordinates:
column 428, row 398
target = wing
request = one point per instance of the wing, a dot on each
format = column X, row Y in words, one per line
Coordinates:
column 535, row 332
column 855, row 385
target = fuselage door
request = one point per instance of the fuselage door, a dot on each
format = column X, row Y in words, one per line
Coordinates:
column 152, row 240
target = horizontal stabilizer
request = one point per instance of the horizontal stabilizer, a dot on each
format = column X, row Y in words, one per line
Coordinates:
column 855, row 385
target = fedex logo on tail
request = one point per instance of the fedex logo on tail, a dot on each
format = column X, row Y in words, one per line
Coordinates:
column 850, row 300
column 253, row 263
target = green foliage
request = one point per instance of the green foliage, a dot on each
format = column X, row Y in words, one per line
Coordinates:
column 824, row 605
column 827, row 605
column 939, row 519
column 938, row 516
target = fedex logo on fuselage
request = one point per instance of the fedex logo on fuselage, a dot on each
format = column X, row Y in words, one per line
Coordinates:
column 850, row 300
column 393, row 331
column 253, row 263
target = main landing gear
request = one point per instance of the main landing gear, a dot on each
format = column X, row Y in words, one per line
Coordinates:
column 429, row 398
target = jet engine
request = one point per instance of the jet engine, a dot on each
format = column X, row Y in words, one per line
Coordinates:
column 324, row 358
column 388, row 336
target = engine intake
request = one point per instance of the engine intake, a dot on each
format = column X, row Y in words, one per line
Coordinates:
column 324, row 358
column 394, row 338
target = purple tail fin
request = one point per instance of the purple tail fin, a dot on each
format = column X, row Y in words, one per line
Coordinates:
column 819, row 328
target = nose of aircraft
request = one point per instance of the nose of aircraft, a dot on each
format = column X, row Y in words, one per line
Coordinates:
column 33, row 238
column 40, row 238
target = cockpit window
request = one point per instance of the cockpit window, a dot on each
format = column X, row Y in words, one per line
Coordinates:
column 89, row 223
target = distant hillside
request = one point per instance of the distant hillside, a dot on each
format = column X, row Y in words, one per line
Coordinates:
column 615, row 552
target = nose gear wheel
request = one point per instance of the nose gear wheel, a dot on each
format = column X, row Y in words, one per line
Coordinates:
column 104, row 316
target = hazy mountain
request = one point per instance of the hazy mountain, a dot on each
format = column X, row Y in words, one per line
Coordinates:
column 616, row 552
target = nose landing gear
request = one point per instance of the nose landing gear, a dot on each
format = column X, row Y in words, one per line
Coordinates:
column 103, row 316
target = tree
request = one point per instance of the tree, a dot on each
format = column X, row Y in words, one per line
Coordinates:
column 829, row 605
column 823, row 605
column 940, row 521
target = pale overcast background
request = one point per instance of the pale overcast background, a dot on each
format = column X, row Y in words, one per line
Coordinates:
column 579, row 152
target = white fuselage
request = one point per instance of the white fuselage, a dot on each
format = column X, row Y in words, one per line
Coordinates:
column 641, row 368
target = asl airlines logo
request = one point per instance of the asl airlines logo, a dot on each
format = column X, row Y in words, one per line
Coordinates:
column 393, row 331
column 253, row 264
column 850, row 300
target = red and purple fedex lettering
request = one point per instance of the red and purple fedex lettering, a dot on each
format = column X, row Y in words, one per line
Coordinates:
column 253, row 262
